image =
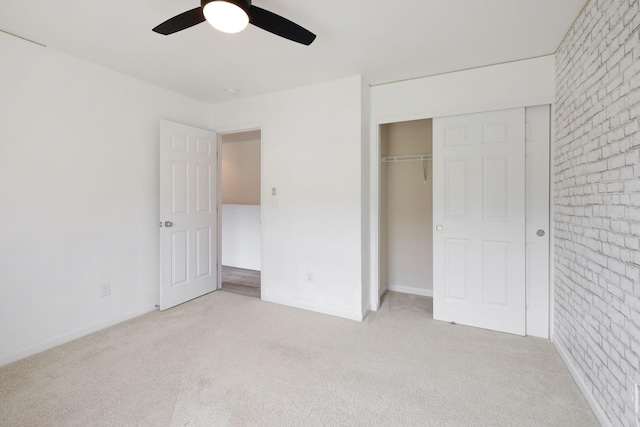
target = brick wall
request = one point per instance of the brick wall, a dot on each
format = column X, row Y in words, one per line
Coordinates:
column 597, row 203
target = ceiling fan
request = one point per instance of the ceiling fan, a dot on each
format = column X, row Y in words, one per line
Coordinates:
column 232, row 16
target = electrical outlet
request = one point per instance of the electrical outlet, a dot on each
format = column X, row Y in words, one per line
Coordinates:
column 309, row 276
column 105, row 289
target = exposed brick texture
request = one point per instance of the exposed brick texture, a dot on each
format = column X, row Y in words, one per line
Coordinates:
column 597, row 202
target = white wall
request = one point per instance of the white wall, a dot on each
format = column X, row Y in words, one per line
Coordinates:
column 516, row 84
column 408, row 209
column 78, row 195
column 240, row 180
column 241, row 242
column 497, row 87
column 597, row 207
column 311, row 144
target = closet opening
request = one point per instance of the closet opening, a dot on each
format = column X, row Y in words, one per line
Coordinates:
column 473, row 237
column 240, row 213
column 406, row 208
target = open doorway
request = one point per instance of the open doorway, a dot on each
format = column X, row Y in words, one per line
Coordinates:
column 240, row 213
column 406, row 260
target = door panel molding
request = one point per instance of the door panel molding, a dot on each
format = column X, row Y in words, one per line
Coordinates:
column 188, row 213
column 491, row 188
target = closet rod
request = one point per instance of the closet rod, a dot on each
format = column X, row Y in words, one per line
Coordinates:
column 422, row 157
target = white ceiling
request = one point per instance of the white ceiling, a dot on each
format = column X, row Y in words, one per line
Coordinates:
column 385, row 41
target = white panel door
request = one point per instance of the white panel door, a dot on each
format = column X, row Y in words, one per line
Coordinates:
column 537, row 219
column 479, row 220
column 188, row 203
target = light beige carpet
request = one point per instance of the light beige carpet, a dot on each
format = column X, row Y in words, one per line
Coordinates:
column 230, row 360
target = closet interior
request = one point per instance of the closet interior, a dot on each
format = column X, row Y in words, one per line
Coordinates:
column 406, row 232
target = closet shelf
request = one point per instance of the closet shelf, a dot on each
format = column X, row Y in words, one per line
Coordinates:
column 420, row 157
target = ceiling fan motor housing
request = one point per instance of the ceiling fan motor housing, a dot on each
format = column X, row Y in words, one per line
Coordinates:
column 242, row 4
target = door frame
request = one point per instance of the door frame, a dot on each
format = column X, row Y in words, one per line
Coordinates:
column 375, row 176
column 239, row 129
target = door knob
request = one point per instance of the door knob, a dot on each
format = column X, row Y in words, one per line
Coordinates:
column 439, row 227
column 168, row 224
column 540, row 233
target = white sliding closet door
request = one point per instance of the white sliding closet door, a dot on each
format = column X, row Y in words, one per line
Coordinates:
column 479, row 220
column 537, row 238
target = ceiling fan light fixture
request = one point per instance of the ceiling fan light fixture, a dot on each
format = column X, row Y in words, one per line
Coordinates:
column 228, row 16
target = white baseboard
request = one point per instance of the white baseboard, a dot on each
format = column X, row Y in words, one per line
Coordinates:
column 318, row 309
column 566, row 358
column 375, row 302
column 410, row 290
column 383, row 291
column 65, row 338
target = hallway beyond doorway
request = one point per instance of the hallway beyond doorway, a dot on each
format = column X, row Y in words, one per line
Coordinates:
column 241, row 281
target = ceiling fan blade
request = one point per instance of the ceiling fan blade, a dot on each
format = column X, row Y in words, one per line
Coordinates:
column 280, row 26
column 181, row 22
